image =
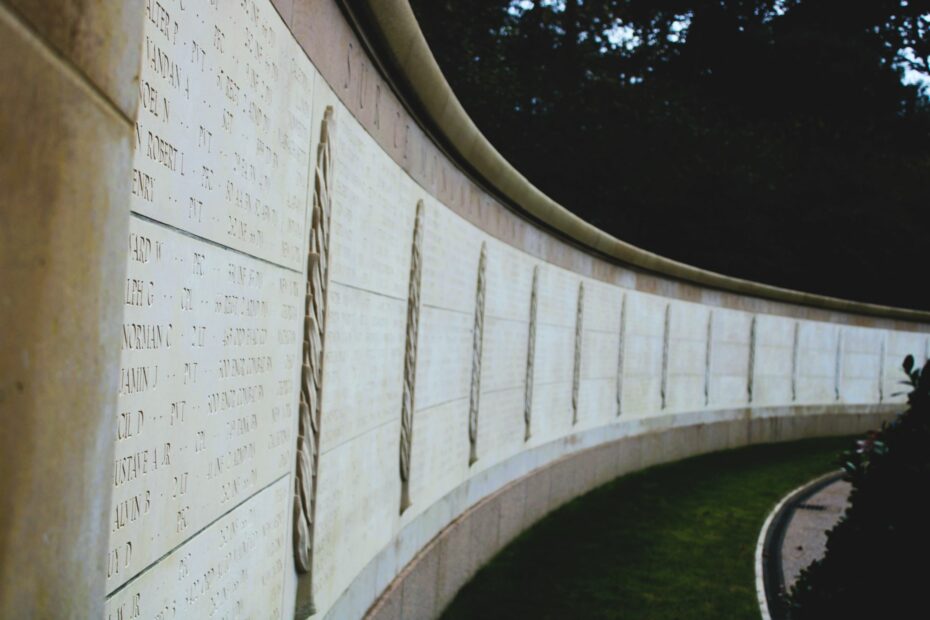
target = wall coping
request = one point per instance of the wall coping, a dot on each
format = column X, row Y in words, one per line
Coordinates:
column 395, row 41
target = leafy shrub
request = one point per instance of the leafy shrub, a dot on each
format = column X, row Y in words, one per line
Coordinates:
column 876, row 564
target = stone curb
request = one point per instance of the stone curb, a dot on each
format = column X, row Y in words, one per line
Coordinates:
column 769, row 578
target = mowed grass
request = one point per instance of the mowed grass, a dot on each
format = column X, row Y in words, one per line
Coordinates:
column 671, row 542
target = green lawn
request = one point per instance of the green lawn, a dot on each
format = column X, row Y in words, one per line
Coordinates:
column 671, row 542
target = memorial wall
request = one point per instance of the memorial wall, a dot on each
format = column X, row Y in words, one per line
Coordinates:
column 271, row 346
column 210, row 350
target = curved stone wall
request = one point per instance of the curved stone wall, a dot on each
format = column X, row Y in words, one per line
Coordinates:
column 340, row 354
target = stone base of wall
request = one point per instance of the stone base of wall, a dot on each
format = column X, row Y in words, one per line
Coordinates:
column 428, row 582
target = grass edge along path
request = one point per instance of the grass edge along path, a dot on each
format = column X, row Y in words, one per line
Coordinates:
column 674, row 541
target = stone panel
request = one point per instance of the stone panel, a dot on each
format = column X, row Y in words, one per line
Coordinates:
column 602, row 307
column 553, row 366
column 552, row 412
column 207, row 388
column 597, row 402
column 503, row 363
column 730, row 355
column 642, row 354
column 374, row 211
column 861, row 365
column 451, row 249
column 357, row 509
column 555, row 347
column 510, row 280
column 222, row 129
column 440, row 452
column 597, row 399
column 213, row 301
column 687, row 363
column 558, row 290
column 500, row 433
column 443, row 356
column 817, row 344
column 599, row 354
column 363, row 373
column 233, row 568
column 774, row 359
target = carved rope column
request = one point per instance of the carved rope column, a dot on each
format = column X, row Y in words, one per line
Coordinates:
column 311, row 380
column 708, row 357
column 477, row 344
column 621, row 348
column 530, row 358
column 881, row 370
column 410, row 359
column 795, row 352
column 576, row 369
column 751, row 372
column 663, row 385
column 838, row 367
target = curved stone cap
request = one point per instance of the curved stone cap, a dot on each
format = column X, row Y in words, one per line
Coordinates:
column 390, row 28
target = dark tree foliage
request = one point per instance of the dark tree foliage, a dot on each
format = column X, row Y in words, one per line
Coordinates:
column 875, row 565
column 766, row 139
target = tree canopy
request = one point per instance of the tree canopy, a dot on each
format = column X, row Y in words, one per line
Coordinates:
column 785, row 141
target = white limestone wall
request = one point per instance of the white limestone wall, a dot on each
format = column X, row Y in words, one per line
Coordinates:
column 703, row 363
column 217, row 133
column 592, row 360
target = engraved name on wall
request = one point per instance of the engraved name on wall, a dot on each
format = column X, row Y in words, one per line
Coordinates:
column 208, row 381
column 210, row 341
column 223, row 131
column 233, row 569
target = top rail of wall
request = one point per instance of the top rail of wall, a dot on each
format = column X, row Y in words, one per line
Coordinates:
column 390, row 31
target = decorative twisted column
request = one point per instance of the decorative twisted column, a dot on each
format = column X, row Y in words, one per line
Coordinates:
column 477, row 342
column 576, row 369
column 410, row 359
column 311, row 378
column 530, row 359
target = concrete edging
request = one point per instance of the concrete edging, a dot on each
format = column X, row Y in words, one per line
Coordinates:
column 768, row 546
